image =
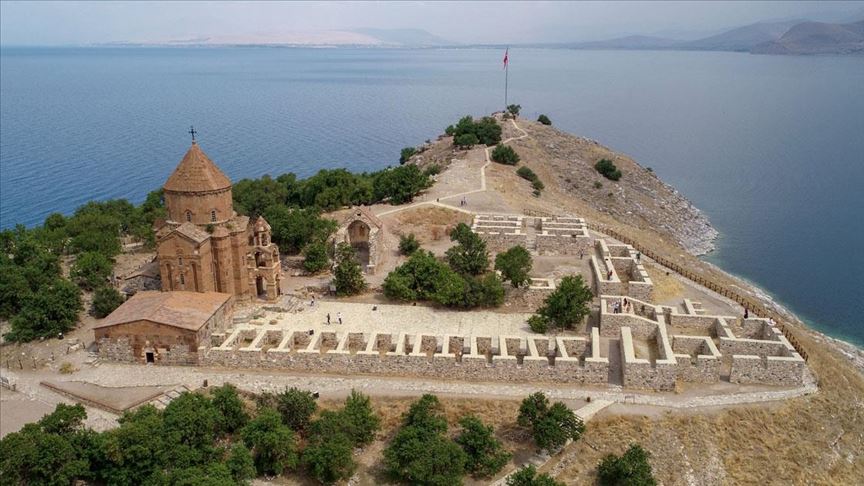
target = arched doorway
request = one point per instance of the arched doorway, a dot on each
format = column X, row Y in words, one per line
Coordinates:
column 260, row 287
column 358, row 237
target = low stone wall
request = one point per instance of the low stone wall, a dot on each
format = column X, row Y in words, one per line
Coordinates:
column 642, row 373
column 526, row 297
column 500, row 358
column 642, row 324
column 498, row 242
column 554, row 244
column 774, row 370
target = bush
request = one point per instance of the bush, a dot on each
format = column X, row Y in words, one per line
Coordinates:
column 294, row 229
column 360, row 421
column 296, row 407
column 598, row 184
column 406, row 154
column 432, row 170
column 329, row 459
column 485, row 454
column 51, row 310
column 514, row 265
column 551, row 426
column 315, row 257
column 105, row 300
column 240, row 463
column 420, row 452
column 91, row 270
column 568, row 304
column 544, row 120
column 538, row 324
column 232, row 411
column 631, row 469
column 347, row 275
column 408, row 244
column 469, row 256
column 466, row 140
column 527, row 476
column 486, row 130
column 528, row 174
column 514, row 110
column 606, row 168
column 504, row 154
column 272, row 443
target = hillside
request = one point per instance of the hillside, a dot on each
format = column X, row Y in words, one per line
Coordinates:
column 817, row 38
column 742, row 38
column 565, row 164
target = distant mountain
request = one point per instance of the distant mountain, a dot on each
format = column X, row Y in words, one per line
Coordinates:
column 787, row 37
column 317, row 38
column 629, row 42
column 817, row 38
column 741, row 38
column 405, row 37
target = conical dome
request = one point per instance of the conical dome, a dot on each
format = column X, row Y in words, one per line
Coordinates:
column 196, row 173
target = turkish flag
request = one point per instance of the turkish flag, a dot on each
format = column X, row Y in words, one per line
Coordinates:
column 506, row 56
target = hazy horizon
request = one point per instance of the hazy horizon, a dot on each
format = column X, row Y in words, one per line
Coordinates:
column 87, row 23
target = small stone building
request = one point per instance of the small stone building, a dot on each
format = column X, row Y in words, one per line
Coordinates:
column 363, row 231
column 163, row 327
column 204, row 246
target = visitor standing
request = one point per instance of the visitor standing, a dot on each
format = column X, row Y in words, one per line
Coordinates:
column 328, row 318
column 746, row 313
column 339, row 317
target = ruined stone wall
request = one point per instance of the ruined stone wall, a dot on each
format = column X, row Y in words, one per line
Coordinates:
column 699, row 369
column 786, row 371
column 499, row 241
column 553, row 244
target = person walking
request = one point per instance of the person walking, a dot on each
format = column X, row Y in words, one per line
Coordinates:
column 328, row 318
column 339, row 317
column 746, row 313
column 581, row 254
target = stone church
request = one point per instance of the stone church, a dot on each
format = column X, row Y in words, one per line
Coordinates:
column 204, row 246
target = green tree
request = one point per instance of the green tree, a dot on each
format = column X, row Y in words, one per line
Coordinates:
column 469, row 256
column 232, row 412
column 607, row 168
column 544, row 120
column 296, row 407
column 105, row 300
column 315, row 257
column 488, row 131
column 272, row 443
column 485, row 454
column 630, row 469
column 527, row 476
column 466, row 140
column 514, row 110
column 52, row 310
column 551, row 426
column 568, row 304
column 293, row 229
column 399, row 185
column 408, row 244
column 504, row 154
column 329, row 459
column 406, row 154
column 240, row 463
column 360, row 421
column 514, row 265
column 34, row 456
column 91, row 270
column 14, row 288
column 190, row 422
column 211, row 474
column 347, row 275
column 254, row 197
column 136, row 451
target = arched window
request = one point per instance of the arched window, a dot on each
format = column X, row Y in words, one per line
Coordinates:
column 188, row 216
column 182, row 280
column 213, row 215
column 180, row 261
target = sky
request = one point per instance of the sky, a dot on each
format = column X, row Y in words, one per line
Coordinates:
column 77, row 23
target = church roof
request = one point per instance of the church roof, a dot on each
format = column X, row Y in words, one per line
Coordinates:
column 362, row 213
column 196, row 173
column 186, row 310
column 192, row 232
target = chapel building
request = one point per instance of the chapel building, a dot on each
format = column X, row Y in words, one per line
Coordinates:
column 204, row 246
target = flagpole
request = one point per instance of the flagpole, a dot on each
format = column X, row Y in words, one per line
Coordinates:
column 506, row 78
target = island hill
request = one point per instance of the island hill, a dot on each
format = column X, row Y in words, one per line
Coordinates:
column 411, row 255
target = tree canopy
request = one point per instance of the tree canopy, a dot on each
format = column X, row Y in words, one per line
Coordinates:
column 567, row 305
column 551, row 425
column 514, row 265
column 485, row 131
column 630, row 469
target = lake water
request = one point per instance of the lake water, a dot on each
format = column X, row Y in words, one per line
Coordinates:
column 771, row 148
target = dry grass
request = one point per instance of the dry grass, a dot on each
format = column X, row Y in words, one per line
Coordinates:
column 666, row 287
column 428, row 223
